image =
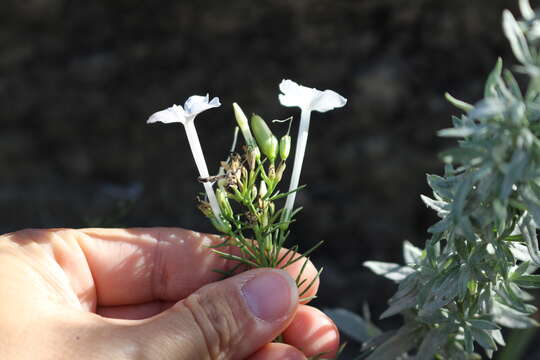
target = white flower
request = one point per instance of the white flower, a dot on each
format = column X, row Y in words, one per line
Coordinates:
column 308, row 100
column 193, row 106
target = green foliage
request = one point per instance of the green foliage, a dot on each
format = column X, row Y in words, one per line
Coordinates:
column 469, row 280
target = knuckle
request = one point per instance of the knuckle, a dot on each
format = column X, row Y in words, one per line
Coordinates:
column 215, row 318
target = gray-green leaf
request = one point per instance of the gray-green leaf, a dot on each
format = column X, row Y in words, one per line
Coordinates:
column 411, row 254
column 528, row 281
column 404, row 340
column 517, row 39
column 390, row 271
column 352, row 324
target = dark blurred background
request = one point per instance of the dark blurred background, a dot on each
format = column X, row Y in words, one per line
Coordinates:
column 78, row 79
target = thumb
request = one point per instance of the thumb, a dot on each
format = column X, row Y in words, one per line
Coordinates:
column 229, row 319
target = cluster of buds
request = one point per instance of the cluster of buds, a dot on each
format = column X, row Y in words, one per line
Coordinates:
column 251, row 178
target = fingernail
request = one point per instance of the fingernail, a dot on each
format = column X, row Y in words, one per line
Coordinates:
column 270, row 294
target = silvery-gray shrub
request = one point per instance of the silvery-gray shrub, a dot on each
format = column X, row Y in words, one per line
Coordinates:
column 472, row 276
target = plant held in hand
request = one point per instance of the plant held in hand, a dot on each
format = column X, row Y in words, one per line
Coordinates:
column 244, row 207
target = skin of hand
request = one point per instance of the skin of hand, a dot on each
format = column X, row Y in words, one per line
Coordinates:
column 148, row 293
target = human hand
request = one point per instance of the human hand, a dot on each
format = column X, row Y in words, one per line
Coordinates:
column 147, row 294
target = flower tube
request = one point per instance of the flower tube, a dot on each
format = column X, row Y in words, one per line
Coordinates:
column 308, row 100
column 193, row 106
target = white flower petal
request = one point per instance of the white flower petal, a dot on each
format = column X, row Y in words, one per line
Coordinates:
column 328, row 100
column 214, row 102
column 307, row 98
column 196, row 104
column 294, row 94
column 169, row 115
column 288, row 86
column 288, row 101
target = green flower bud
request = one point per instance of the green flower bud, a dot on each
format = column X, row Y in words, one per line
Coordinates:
column 224, row 203
column 285, row 221
column 253, row 192
column 262, row 189
column 280, row 170
column 264, row 223
column 267, row 142
column 271, row 172
column 252, row 157
column 224, row 226
column 284, row 147
column 243, row 124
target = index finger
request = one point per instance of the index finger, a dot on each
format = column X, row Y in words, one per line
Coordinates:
column 132, row 266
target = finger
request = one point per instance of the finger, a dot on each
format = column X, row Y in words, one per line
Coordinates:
column 309, row 278
column 131, row 266
column 229, row 319
column 276, row 351
column 313, row 332
column 149, row 309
